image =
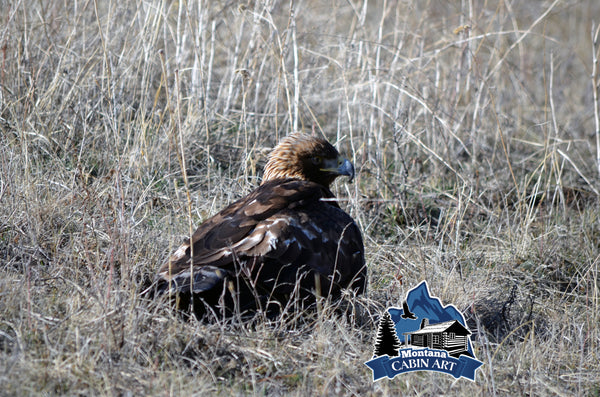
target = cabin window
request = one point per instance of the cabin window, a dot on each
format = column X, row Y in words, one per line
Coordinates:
column 435, row 339
column 452, row 335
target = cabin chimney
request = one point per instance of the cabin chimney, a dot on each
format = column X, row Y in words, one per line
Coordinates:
column 424, row 323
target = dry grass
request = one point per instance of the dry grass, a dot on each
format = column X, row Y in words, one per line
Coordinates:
column 472, row 126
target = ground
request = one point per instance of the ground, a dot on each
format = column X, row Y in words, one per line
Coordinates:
column 473, row 127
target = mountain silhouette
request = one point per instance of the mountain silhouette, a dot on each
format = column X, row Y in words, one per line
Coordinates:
column 422, row 306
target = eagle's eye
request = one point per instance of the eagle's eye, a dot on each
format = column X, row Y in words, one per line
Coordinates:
column 317, row 160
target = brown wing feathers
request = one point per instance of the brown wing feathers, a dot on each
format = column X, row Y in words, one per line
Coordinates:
column 271, row 245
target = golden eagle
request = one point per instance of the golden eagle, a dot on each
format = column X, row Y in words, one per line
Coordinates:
column 279, row 247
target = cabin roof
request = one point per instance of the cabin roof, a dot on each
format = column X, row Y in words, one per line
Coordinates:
column 436, row 328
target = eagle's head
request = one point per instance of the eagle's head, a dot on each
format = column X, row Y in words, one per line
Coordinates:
column 306, row 157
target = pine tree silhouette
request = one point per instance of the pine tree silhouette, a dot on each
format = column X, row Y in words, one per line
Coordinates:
column 387, row 340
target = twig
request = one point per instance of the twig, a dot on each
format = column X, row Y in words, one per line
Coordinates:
column 595, row 51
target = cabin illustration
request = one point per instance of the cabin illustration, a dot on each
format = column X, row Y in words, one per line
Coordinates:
column 451, row 336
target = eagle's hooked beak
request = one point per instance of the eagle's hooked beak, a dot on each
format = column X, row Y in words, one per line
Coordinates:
column 345, row 168
column 339, row 166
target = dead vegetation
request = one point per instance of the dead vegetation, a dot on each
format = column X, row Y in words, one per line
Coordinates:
column 473, row 128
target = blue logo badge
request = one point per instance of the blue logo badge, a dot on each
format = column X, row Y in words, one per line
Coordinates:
column 423, row 335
